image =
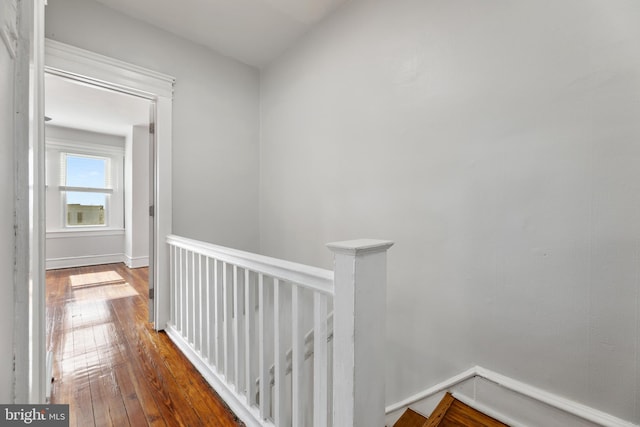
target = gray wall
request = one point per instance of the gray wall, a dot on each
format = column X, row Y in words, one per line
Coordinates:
column 498, row 144
column 215, row 117
column 7, row 240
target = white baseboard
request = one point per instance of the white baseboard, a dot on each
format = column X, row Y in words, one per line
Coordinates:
column 136, row 262
column 513, row 402
column 81, row 261
column 250, row 416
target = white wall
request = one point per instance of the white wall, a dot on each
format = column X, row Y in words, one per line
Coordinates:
column 75, row 249
column 215, row 118
column 137, row 198
column 7, row 239
column 80, row 135
column 498, row 144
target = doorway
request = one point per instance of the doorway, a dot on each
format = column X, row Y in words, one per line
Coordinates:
column 97, row 179
column 34, row 55
column 88, row 68
column 98, row 171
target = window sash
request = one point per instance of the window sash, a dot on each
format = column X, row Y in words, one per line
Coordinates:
column 86, row 189
column 86, row 215
column 66, row 153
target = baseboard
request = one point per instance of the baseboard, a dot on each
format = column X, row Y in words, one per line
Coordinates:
column 513, row 402
column 136, row 262
column 250, row 416
column 81, row 261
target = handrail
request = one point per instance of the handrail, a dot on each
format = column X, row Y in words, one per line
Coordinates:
column 314, row 278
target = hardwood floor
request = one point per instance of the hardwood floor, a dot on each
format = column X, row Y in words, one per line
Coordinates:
column 110, row 366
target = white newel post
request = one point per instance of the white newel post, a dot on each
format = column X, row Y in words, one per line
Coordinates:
column 360, row 279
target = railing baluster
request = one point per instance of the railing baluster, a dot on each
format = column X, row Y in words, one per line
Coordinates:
column 265, row 384
column 182, row 291
column 187, row 293
column 200, row 305
column 249, row 308
column 193, row 321
column 217, row 313
column 197, row 297
column 192, row 307
column 172, row 283
column 237, row 327
column 320, row 360
column 190, row 289
column 176, row 286
column 297, row 357
column 207, row 318
column 226, row 312
column 279, row 353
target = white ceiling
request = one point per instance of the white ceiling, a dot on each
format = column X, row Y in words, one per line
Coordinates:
column 80, row 106
column 252, row 31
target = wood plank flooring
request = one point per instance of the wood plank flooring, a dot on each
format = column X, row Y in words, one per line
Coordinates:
column 110, row 366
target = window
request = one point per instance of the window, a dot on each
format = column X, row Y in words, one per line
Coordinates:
column 84, row 186
column 86, row 189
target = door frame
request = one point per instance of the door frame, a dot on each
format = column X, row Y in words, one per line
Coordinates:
column 29, row 345
column 98, row 70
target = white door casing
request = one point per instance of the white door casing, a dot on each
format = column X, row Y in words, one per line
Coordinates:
column 152, row 214
column 29, row 346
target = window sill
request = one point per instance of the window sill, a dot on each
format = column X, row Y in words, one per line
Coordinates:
column 84, row 232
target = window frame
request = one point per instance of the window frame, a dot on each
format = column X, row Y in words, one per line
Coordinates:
column 65, row 189
column 57, row 151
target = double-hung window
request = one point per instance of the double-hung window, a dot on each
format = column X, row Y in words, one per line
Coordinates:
column 84, row 186
column 86, row 189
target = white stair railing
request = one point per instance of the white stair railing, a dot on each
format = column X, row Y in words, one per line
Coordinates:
column 240, row 316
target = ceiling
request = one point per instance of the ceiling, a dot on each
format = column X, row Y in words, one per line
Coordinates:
column 252, row 31
column 77, row 105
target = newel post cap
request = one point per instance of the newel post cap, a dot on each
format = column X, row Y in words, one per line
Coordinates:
column 360, row 246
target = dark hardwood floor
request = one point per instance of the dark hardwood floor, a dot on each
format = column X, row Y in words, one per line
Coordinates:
column 110, row 366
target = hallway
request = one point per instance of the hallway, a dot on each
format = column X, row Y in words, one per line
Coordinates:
column 110, row 365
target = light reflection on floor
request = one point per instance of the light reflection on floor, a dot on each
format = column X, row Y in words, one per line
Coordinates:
column 102, row 292
column 89, row 352
column 104, row 285
column 95, row 279
column 88, row 346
